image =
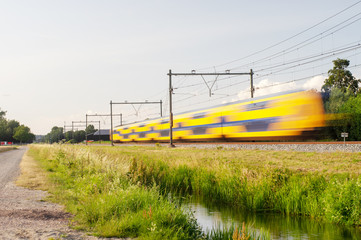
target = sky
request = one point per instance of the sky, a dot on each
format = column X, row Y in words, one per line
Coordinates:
column 61, row 60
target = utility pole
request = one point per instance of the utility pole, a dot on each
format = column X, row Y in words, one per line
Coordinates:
column 104, row 115
column 193, row 73
column 252, row 88
column 129, row 103
column 86, row 125
column 111, row 123
column 170, row 110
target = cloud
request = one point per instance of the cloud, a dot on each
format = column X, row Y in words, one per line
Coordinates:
column 314, row 83
column 266, row 87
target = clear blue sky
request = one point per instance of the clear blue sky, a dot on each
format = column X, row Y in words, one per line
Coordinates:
column 62, row 59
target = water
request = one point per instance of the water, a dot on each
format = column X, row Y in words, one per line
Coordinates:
column 277, row 226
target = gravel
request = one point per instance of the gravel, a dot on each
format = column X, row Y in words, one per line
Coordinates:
column 304, row 147
column 298, row 147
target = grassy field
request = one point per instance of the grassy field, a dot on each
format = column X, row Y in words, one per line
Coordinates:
column 123, row 191
column 95, row 184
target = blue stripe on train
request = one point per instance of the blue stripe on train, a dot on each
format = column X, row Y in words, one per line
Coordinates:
column 253, row 125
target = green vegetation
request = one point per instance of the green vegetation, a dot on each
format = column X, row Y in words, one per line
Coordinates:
column 57, row 135
column 96, row 185
column 326, row 186
column 23, row 134
column 12, row 131
column 341, row 78
column 115, row 190
column 341, row 96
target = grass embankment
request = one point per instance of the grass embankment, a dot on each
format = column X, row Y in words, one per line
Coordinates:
column 326, row 186
column 6, row 148
column 97, row 185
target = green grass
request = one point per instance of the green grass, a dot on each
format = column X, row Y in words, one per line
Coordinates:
column 96, row 186
column 93, row 179
column 325, row 186
column 107, row 204
column 320, row 185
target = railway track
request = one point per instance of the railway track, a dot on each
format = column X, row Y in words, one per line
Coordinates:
column 276, row 146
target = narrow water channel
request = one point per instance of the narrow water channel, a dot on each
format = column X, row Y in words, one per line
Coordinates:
column 277, row 226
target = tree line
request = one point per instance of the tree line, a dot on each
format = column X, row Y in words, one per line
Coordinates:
column 13, row 131
column 342, row 102
column 57, row 135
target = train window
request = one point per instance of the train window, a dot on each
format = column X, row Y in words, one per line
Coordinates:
column 199, row 130
column 152, row 129
column 164, row 133
column 256, row 106
column 125, row 136
column 125, row 128
column 142, row 125
column 142, row 135
column 199, row 115
column 164, row 121
column 258, row 125
column 133, row 130
column 179, row 125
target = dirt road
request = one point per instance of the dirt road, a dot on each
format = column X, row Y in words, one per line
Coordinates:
column 23, row 214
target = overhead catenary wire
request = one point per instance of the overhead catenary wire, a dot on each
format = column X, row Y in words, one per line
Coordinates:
column 275, row 69
column 301, row 70
column 315, row 58
column 283, row 41
column 299, row 45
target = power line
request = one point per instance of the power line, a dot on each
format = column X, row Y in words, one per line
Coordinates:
column 299, row 45
column 318, row 57
column 302, row 70
column 285, row 40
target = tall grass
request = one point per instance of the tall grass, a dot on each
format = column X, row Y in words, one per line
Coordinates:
column 325, row 186
column 336, row 198
column 331, row 193
column 97, row 186
column 103, row 200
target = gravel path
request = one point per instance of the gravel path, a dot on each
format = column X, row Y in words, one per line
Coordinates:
column 23, row 214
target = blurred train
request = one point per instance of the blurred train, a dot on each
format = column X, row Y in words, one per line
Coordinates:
column 275, row 117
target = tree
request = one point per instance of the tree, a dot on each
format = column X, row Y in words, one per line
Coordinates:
column 7, row 128
column 55, row 135
column 68, row 135
column 336, row 99
column 2, row 114
column 10, row 129
column 339, row 77
column 79, row 136
column 23, row 134
column 90, row 129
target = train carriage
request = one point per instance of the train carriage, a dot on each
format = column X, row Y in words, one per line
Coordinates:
column 272, row 117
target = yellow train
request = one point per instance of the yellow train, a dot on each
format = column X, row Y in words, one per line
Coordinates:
column 280, row 116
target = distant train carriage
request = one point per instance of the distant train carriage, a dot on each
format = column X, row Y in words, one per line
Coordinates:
column 279, row 116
